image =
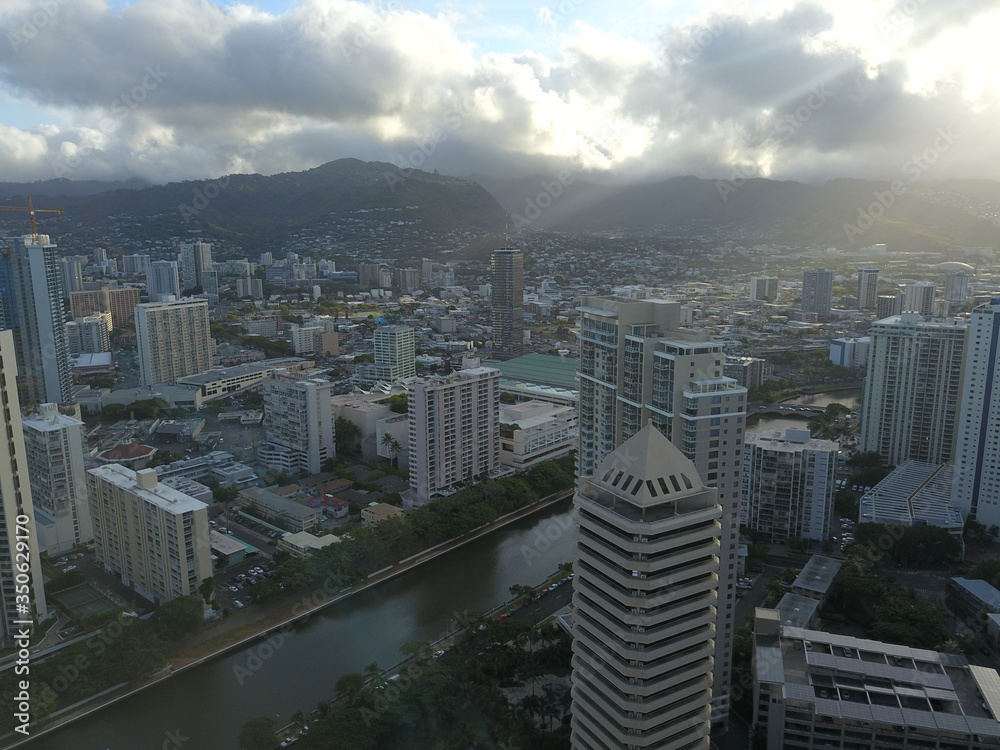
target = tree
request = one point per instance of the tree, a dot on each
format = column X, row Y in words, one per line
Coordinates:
column 399, row 403
column 348, row 436
column 207, row 589
column 393, row 446
column 350, row 686
column 179, row 617
column 225, row 494
column 258, row 734
column 375, row 675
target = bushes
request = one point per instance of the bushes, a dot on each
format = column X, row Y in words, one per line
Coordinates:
column 372, row 548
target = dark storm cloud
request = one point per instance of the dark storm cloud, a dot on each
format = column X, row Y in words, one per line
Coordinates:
column 183, row 89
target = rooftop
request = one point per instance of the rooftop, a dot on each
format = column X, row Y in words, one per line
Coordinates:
column 238, row 371
column 542, row 369
column 855, row 679
column 817, row 574
column 157, row 494
column 277, row 502
column 647, row 469
column 980, row 589
column 914, row 493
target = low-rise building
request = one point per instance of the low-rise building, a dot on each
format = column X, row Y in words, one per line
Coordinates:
column 814, row 689
column 816, row 577
column 270, row 506
column 375, row 513
column 915, row 494
column 975, row 599
column 535, row 431
column 303, row 544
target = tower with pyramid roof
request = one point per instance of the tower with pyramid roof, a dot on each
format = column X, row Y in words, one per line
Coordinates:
column 647, row 541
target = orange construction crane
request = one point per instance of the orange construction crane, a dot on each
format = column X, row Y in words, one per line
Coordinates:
column 30, row 208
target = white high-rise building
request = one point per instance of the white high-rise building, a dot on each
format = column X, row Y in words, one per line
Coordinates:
column 163, row 280
column 194, row 258
column 394, row 354
column 173, row 339
column 645, row 597
column 89, row 335
column 788, row 483
column 920, row 298
column 253, row 288
column 867, row 288
column 636, row 367
column 956, row 287
column 888, row 305
column 55, row 447
column 210, row 285
column 298, row 422
column 910, row 402
column 17, row 522
column 135, row 265
column 817, row 292
column 454, row 430
column 31, row 304
column 764, row 288
column 976, row 489
column 72, row 273
column 153, row 536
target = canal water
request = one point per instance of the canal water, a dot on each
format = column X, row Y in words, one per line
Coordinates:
column 208, row 705
column 850, row 397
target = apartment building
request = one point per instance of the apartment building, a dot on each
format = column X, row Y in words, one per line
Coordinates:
column 153, row 536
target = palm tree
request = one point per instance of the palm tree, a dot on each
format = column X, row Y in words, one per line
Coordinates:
column 393, row 446
column 375, row 674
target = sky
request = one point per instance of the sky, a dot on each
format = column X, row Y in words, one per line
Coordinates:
column 807, row 90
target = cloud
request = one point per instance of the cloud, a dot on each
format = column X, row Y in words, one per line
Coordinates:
column 183, row 89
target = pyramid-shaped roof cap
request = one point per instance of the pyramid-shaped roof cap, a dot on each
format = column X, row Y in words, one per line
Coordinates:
column 647, row 469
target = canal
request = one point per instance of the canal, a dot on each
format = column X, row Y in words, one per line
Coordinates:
column 209, row 704
column 768, row 423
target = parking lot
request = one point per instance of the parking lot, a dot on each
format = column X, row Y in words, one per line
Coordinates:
column 235, row 583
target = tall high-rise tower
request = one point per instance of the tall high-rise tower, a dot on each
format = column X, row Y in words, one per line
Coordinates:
column 72, row 272
column 173, row 340
column 920, row 298
column 817, row 292
column 31, row 304
column 645, row 595
column 867, row 288
column 298, row 422
column 55, row 448
column 764, row 288
column 788, row 485
column 394, row 353
column 163, row 280
column 956, row 287
column 636, row 366
column 977, row 452
column 194, row 258
column 17, row 519
column 910, row 402
column 454, row 430
column 507, row 300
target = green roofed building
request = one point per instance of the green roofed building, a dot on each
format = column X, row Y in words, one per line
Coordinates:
column 544, row 377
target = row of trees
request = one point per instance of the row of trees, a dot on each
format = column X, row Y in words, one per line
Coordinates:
column 371, row 548
column 453, row 701
column 126, row 650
